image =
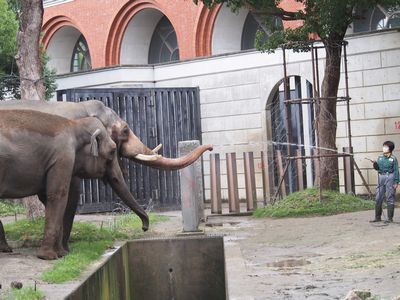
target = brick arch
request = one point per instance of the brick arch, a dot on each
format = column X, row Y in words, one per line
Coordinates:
column 204, row 30
column 120, row 24
column 54, row 24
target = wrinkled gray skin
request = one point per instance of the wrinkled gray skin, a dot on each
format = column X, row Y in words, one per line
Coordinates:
column 128, row 146
column 38, row 156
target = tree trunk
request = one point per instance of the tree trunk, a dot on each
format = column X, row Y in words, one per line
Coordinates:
column 30, row 68
column 326, row 117
column 28, row 55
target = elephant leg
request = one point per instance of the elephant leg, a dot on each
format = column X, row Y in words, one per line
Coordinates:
column 3, row 242
column 70, row 210
column 59, row 249
column 58, row 182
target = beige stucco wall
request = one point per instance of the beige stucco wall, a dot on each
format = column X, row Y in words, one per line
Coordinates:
column 235, row 88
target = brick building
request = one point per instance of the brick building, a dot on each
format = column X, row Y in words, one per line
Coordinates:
column 175, row 43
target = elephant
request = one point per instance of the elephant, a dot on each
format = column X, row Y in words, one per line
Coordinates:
column 38, row 156
column 128, row 146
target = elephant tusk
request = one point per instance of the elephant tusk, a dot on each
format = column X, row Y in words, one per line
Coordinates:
column 147, row 157
column 156, row 149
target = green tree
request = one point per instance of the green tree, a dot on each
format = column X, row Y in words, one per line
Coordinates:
column 329, row 19
column 8, row 46
column 9, row 75
column 8, row 30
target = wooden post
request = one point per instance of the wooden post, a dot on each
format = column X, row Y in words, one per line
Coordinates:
column 299, row 167
column 266, row 177
column 348, row 166
column 233, row 195
column 281, row 173
column 250, row 181
column 316, row 168
column 215, row 178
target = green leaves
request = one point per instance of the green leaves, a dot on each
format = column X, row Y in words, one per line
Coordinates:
column 329, row 19
column 8, row 30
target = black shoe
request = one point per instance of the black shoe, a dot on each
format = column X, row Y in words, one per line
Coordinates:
column 390, row 209
column 375, row 220
column 388, row 221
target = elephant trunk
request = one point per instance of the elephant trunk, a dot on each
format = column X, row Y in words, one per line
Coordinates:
column 176, row 163
column 115, row 179
column 135, row 150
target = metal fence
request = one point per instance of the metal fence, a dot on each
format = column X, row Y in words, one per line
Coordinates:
column 156, row 115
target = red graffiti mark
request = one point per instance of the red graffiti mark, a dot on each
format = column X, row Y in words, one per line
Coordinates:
column 397, row 124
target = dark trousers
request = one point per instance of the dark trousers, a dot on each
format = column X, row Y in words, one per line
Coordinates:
column 385, row 186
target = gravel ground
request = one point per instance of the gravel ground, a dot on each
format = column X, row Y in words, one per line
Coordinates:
column 293, row 258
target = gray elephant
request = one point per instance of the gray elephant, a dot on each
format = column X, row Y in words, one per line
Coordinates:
column 38, row 157
column 128, row 145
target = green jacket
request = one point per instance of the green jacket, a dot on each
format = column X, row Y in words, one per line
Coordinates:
column 388, row 164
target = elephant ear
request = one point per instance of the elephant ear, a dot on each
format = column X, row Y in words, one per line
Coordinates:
column 94, row 145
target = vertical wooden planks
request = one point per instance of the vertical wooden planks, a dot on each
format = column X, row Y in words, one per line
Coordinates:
column 233, row 195
column 215, row 184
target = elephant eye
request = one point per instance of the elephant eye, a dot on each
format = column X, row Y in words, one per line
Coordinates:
column 125, row 131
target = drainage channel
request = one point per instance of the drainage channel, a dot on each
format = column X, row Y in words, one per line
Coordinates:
column 160, row 268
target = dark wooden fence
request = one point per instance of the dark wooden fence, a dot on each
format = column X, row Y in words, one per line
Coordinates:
column 156, row 115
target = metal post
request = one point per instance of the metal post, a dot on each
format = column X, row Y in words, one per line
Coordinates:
column 346, row 76
column 250, row 180
column 362, row 178
column 233, row 195
column 215, row 178
column 282, row 174
column 286, row 92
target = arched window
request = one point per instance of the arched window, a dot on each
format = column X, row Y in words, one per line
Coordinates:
column 164, row 44
column 81, row 56
column 377, row 18
column 250, row 29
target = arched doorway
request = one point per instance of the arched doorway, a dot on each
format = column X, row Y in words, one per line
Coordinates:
column 301, row 128
column 149, row 38
column 68, row 51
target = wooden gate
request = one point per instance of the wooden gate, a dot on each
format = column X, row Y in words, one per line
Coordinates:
column 156, row 115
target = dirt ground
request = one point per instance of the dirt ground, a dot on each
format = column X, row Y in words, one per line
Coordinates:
column 294, row 258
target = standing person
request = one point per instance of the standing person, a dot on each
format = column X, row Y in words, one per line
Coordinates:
column 388, row 180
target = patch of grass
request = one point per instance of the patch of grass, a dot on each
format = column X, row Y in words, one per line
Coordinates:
column 8, row 208
column 88, row 243
column 71, row 266
column 28, row 232
column 26, row 293
column 306, row 203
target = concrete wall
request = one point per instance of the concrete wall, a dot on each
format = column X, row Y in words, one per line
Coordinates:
column 236, row 88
